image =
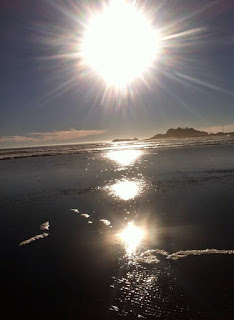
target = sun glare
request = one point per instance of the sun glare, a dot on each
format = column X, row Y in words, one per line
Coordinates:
column 132, row 236
column 125, row 189
column 124, row 157
column 119, row 43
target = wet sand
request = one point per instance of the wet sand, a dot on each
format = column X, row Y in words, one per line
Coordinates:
column 61, row 258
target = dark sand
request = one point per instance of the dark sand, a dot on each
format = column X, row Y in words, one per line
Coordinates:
column 79, row 270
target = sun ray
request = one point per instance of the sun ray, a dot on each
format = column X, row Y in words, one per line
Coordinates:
column 185, row 33
column 203, row 83
column 120, row 83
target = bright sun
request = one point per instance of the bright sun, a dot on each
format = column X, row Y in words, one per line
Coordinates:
column 119, row 43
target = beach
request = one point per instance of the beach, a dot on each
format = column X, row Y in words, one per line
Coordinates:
column 62, row 212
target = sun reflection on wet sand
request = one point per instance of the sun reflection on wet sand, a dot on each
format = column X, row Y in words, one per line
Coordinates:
column 125, row 189
column 132, row 237
column 124, row 157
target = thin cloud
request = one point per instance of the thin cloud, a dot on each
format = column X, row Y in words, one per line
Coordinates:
column 17, row 139
column 40, row 137
column 222, row 128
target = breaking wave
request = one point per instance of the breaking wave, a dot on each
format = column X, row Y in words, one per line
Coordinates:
column 46, row 151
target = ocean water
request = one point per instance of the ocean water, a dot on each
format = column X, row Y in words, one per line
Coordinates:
column 139, row 230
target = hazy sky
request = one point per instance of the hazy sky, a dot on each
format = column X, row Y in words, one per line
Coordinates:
column 46, row 97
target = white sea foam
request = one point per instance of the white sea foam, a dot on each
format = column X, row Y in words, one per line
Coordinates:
column 75, row 210
column 148, row 259
column 106, row 222
column 45, row 226
column 85, row 215
column 183, row 254
column 150, row 256
column 37, row 237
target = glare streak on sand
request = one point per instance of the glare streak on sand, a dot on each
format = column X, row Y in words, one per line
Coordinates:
column 149, row 256
column 38, row 236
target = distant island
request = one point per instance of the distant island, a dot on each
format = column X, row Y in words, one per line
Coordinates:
column 181, row 133
column 187, row 133
column 124, row 140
